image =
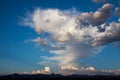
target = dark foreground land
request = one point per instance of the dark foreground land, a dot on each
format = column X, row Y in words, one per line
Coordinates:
column 58, row 77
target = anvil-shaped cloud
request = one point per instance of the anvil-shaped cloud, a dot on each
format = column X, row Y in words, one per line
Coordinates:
column 72, row 34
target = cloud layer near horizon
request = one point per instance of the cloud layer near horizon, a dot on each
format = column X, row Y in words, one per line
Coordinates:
column 73, row 35
column 74, row 70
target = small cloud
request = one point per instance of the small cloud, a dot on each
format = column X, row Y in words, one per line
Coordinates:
column 90, row 68
column 39, row 30
column 99, row 1
column 117, row 45
column 39, row 40
column 117, row 11
column 68, row 68
column 119, row 20
column 45, row 71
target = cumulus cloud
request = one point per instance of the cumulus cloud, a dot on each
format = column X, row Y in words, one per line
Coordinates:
column 71, row 40
column 72, row 36
column 46, row 70
column 99, row 1
column 69, row 70
column 102, row 14
column 110, row 35
column 96, row 18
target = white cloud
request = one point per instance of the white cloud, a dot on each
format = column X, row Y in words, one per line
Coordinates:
column 65, row 33
column 46, row 70
column 91, row 68
column 72, row 36
column 69, row 70
column 68, row 67
column 39, row 40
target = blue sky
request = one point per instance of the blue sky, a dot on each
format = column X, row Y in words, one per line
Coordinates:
column 16, row 55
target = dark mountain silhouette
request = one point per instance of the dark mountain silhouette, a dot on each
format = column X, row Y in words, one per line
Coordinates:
column 58, row 77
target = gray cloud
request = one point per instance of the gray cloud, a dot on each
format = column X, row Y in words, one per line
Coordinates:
column 102, row 14
column 98, row 17
column 110, row 35
column 117, row 11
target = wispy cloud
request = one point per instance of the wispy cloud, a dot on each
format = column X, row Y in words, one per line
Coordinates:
column 98, row 1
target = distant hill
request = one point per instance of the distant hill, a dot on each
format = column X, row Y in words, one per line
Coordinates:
column 58, row 77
